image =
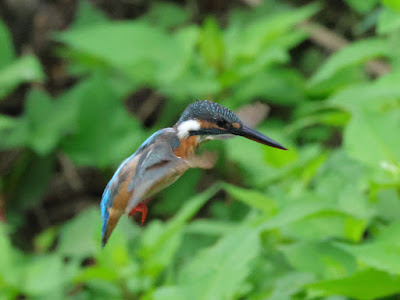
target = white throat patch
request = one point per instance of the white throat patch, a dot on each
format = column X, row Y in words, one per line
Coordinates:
column 185, row 127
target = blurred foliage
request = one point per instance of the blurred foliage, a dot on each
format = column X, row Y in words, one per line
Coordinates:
column 320, row 221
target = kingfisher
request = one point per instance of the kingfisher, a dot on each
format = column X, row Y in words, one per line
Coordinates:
column 166, row 155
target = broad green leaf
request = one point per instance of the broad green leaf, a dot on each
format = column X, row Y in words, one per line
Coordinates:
column 160, row 242
column 392, row 4
column 375, row 132
column 342, row 182
column 376, row 96
column 48, row 121
column 145, row 53
column 321, row 258
column 33, row 173
column 366, row 284
column 263, row 31
column 190, row 208
column 7, row 54
column 211, row 44
column 9, row 272
column 7, row 122
column 105, row 133
column 288, row 285
column 362, row 7
column 44, row 275
column 87, row 14
column 165, row 15
column 389, row 21
column 278, row 85
column 253, row 198
column 78, row 236
column 353, row 54
column 294, row 212
column 324, row 225
column 388, row 204
column 24, row 69
column 218, row 272
column 383, row 253
column 209, row 227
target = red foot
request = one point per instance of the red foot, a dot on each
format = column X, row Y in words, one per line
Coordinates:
column 140, row 208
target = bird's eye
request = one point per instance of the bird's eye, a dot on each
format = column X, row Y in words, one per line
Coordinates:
column 222, row 123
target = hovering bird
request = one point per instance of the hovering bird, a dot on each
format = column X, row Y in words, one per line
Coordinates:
column 166, row 155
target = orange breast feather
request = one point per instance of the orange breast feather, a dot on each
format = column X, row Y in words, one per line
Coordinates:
column 187, row 147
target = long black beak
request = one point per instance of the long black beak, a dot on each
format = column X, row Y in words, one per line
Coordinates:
column 256, row 136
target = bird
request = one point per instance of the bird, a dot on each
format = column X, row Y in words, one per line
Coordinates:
column 166, row 155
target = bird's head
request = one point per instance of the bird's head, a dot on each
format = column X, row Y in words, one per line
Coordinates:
column 209, row 119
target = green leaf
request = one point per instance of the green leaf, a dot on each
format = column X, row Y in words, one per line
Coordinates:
column 78, row 236
column 389, row 21
column 7, row 123
column 33, row 173
column 7, row 54
column 354, row 54
column 263, row 32
column 392, row 4
column 105, row 133
column 374, row 131
column 252, row 198
column 288, row 285
column 44, row 275
column 25, row 69
column 211, row 43
column 362, row 7
column 160, row 242
column 218, row 272
column 48, row 121
column 383, row 253
column 87, row 14
column 294, row 212
column 191, row 207
column 166, row 15
column 278, row 85
column 321, row 258
column 146, row 54
column 366, row 284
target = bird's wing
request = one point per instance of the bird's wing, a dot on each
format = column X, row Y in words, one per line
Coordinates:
column 158, row 167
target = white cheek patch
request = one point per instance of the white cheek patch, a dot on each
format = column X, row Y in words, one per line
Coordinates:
column 185, row 127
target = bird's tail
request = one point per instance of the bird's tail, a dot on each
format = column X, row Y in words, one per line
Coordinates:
column 110, row 220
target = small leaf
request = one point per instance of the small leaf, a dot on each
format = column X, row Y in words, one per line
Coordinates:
column 366, row 284
column 355, row 53
column 44, row 275
column 389, row 21
column 374, row 131
column 211, row 44
column 362, row 7
column 321, row 258
column 383, row 253
column 88, row 14
column 105, row 133
column 252, row 198
column 79, row 236
column 7, row 54
column 217, row 272
column 392, row 4
column 25, row 69
column 166, row 15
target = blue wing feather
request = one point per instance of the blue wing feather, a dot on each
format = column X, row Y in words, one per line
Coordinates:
column 109, row 194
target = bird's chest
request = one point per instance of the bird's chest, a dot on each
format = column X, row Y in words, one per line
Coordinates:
column 187, row 147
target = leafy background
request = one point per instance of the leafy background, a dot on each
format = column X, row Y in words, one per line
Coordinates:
column 83, row 83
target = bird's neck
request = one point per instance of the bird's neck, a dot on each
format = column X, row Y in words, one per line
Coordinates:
column 187, row 146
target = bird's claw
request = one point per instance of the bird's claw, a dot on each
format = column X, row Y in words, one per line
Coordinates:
column 142, row 208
